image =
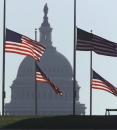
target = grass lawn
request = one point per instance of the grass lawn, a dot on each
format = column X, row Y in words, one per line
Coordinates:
column 59, row 122
column 9, row 120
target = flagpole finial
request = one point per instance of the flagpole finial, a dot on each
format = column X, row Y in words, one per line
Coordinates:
column 91, row 31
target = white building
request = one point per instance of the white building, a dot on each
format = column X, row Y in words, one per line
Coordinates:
column 58, row 69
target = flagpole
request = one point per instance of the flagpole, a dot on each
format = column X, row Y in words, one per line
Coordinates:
column 74, row 60
column 35, row 79
column 91, row 80
column 90, row 83
column 3, row 67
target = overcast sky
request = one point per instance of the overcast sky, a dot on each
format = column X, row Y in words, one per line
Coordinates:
column 24, row 16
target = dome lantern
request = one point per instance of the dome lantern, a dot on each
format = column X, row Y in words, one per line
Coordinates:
column 45, row 29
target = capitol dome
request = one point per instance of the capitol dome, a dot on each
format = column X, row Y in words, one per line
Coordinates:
column 58, row 69
column 52, row 63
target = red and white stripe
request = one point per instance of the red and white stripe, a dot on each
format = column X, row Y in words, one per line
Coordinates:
column 27, row 48
column 40, row 78
column 98, row 84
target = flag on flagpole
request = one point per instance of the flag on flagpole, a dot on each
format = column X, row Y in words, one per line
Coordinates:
column 20, row 44
column 42, row 78
column 89, row 42
column 100, row 83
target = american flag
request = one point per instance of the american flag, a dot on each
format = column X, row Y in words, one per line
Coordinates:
column 89, row 42
column 100, row 83
column 42, row 78
column 20, row 44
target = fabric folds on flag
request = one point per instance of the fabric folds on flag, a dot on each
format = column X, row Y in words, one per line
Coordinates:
column 42, row 78
column 100, row 83
column 20, row 44
column 89, row 42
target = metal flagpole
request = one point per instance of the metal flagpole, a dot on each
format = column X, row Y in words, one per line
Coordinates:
column 91, row 80
column 90, row 83
column 3, row 69
column 35, row 79
column 74, row 60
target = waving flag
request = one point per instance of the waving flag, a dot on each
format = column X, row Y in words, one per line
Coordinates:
column 100, row 83
column 20, row 44
column 89, row 42
column 42, row 78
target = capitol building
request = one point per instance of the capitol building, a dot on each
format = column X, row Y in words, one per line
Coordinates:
column 58, row 69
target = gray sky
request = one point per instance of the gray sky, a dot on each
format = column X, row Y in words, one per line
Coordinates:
column 24, row 16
